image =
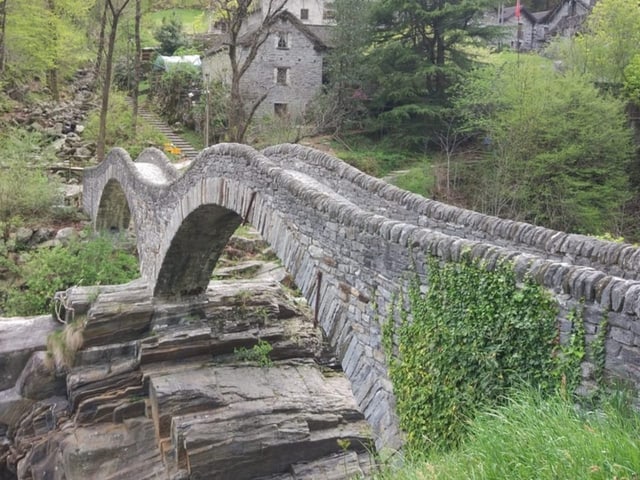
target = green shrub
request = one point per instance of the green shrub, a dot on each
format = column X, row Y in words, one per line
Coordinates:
column 119, row 131
column 474, row 335
column 47, row 271
column 556, row 149
column 25, row 189
column 170, row 93
column 259, row 353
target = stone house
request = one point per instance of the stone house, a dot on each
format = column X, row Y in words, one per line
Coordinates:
column 288, row 69
column 534, row 29
column 567, row 18
column 309, row 12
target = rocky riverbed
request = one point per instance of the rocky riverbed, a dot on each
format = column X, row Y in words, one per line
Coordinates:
column 237, row 384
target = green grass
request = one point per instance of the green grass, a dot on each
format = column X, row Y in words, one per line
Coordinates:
column 98, row 261
column 193, row 22
column 537, row 438
column 417, row 179
column 374, row 158
column 195, row 139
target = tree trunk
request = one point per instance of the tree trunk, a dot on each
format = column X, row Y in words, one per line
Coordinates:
column 52, row 83
column 103, row 29
column 3, row 23
column 52, row 73
column 236, row 113
column 106, row 85
column 137, row 67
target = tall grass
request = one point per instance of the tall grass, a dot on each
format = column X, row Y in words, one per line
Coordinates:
column 26, row 191
column 532, row 437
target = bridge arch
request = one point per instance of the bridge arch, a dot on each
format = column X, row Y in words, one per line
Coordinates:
column 348, row 240
column 114, row 213
column 194, row 251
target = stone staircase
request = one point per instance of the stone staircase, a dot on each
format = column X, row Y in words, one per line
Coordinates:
column 187, row 152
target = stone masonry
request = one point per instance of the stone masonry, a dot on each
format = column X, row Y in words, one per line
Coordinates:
column 351, row 242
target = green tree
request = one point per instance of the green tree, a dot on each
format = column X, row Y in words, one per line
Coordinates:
column 608, row 41
column 342, row 103
column 116, row 8
column 557, row 149
column 170, row 36
column 420, row 48
column 611, row 38
column 631, row 83
column 45, row 38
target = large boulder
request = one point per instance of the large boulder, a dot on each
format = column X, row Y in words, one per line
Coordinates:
column 19, row 338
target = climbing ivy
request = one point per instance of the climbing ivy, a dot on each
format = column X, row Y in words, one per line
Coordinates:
column 389, row 330
column 598, row 350
column 473, row 335
column 568, row 359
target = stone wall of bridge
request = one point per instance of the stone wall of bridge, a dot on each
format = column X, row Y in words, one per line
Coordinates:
column 350, row 241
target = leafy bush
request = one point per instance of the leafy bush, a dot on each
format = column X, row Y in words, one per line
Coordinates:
column 259, row 353
column 556, row 149
column 47, row 271
column 474, row 335
column 119, row 131
column 171, row 93
column 25, row 189
column 632, row 80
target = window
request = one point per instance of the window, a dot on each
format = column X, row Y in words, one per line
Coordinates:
column 280, row 109
column 329, row 12
column 282, row 76
column 304, row 14
column 283, row 40
column 221, row 26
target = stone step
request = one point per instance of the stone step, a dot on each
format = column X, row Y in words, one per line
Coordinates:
column 187, row 150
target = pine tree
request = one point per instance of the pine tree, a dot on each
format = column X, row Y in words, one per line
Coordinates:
column 420, row 48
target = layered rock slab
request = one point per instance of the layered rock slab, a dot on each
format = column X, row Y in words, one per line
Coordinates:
column 241, row 422
column 160, row 390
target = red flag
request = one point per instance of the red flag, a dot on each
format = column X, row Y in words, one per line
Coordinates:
column 518, row 9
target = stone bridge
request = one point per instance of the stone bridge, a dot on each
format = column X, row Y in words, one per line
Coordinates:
column 349, row 241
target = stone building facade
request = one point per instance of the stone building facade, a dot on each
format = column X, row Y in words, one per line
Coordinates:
column 288, row 69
